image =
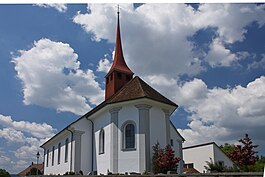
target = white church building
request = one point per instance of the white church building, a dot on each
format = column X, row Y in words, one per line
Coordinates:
column 117, row 135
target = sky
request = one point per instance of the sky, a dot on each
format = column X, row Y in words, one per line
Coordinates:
column 207, row 58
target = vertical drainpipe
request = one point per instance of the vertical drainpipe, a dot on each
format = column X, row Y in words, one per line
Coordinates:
column 71, row 152
column 92, row 134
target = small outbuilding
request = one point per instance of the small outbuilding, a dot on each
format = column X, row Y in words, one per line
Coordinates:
column 196, row 156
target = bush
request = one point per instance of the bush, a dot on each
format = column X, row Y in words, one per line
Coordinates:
column 4, row 173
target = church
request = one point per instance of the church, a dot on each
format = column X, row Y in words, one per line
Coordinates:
column 117, row 135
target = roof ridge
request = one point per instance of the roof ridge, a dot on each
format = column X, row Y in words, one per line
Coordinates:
column 147, row 95
column 141, row 85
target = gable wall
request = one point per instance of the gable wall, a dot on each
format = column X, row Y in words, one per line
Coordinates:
column 177, row 146
column 220, row 156
column 198, row 156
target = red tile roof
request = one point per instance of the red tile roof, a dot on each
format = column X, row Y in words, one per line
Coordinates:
column 136, row 89
column 38, row 166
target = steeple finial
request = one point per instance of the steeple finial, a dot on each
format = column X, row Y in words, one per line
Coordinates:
column 118, row 12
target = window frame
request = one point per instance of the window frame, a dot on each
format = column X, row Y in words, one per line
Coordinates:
column 101, row 142
column 125, row 124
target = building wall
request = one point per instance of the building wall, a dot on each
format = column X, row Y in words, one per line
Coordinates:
column 157, row 127
column 128, row 160
column 177, row 147
column 198, row 156
column 102, row 161
column 220, row 156
column 63, row 166
column 85, row 127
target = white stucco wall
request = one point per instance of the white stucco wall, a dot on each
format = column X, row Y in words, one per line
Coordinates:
column 86, row 127
column 220, row 156
column 63, row 166
column 157, row 127
column 198, row 156
column 128, row 160
column 177, row 147
column 102, row 161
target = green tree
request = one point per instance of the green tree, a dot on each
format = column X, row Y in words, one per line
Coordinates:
column 4, row 173
column 214, row 167
column 228, row 149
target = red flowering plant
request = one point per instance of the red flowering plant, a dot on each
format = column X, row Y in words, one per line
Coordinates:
column 164, row 159
column 244, row 155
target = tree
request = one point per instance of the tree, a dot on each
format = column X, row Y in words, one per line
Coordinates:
column 4, row 173
column 228, row 148
column 164, row 159
column 244, row 155
column 214, row 167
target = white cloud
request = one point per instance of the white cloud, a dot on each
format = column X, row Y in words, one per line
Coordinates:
column 59, row 7
column 223, row 115
column 104, row 65
column 219, row 55
column 159, row 38
column 231, row 20
column 37, row 130
column 51, row 77
column 21, row 141
column 217, row 114
column 258, row 64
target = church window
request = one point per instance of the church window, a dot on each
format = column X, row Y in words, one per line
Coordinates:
column 101, row 141
column 66, row 150
column 53, row 155
column 119, row 76
column 59, row 153
column 111, row 76
column 47, row 158
column 129, row 136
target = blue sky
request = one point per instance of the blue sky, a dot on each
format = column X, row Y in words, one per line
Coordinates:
column 209, row 59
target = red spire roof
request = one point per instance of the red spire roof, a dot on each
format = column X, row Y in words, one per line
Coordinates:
column 119, row 62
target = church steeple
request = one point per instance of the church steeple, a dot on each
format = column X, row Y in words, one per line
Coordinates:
column 119, row 73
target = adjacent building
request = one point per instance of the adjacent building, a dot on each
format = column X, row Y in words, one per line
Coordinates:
column 196, row 156
column 116, row 136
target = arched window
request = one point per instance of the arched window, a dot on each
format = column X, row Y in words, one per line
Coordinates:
column 101, row 141
column 59, row 153
column 129, row 136
column 66, row 150
column 47, row 158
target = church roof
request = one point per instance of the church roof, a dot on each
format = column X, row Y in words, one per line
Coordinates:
column 119, row 62
column 136, row 89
